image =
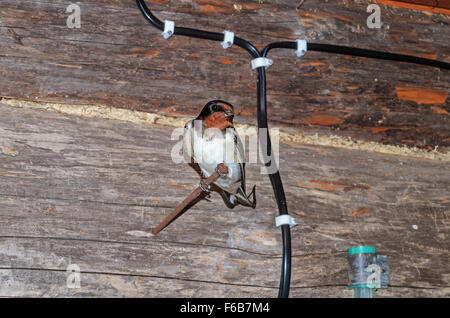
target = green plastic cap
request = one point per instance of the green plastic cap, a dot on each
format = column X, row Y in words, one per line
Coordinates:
column 361, row 250
column 372, row 286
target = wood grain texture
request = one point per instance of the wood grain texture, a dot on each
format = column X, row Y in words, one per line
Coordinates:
column 117, row 59
column 429, row 3
column 88, row 191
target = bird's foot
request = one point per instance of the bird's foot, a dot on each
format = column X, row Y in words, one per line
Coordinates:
column 219, row 172
column 204, row 187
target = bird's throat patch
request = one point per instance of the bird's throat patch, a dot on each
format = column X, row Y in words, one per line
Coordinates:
column 218, row 120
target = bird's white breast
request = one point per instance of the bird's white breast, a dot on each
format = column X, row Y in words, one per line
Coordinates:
column 213, row 148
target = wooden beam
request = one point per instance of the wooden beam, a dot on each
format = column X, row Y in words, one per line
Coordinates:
column 117, row 59
column 87, row 191
column 435, row 6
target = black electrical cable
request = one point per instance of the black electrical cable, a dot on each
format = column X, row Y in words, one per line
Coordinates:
column 277, row 184
column 200, row 34
column 346, row 50
column 275, row 178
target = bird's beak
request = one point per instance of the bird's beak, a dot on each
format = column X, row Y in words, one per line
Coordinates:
column 229, row 113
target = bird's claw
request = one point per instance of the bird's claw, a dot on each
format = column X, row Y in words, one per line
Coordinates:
column 220, row 173
column 204, row 187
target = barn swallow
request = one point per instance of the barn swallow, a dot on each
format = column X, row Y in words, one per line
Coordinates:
column 211, row 139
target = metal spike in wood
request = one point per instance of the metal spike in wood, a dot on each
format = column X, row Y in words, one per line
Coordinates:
column 221, row 169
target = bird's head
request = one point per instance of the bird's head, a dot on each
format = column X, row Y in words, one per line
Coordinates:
column 217, row 114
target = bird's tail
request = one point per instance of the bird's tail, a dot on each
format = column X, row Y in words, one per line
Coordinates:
column 227, row 199
column 245, row 200
column 231, row 200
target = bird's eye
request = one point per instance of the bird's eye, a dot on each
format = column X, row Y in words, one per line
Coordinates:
column 215, row 108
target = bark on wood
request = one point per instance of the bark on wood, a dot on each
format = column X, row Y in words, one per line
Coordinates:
column 88, row 191
column 117, row 59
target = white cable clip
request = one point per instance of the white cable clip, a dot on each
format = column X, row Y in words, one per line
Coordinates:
column 228, row 39
column 261, row 62
column 169, row 29
column 285, row 219
column 301, row 47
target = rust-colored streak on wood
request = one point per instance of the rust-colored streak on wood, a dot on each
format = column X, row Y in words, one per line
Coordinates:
column 254, row 6
column 430, row 56
column 213, row 2
column 431, row 3
column 384, row 128
column 152, row 54
column 214, row 9
column 323, row 16
column 421, row 95
column 361, row 211
column 315, row 64
column 226, row 61
column 325, row 120
column 339, row 185
column 412, row 6
column 439, row 110
column 149, row 3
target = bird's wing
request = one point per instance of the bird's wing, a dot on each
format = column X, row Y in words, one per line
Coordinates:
column 188, row 141
column 239, row 156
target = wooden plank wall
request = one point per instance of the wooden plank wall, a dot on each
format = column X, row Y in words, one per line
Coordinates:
column 86, row 191
column 117, row 59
